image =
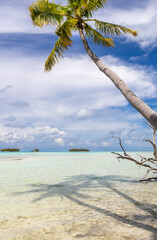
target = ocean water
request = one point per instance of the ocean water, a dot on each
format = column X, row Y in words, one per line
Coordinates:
column 19, row 170
column 34, row 184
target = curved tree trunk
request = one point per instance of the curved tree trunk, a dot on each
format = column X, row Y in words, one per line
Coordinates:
column 138, row 104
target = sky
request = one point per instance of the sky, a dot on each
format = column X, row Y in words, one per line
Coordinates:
column 75, row 105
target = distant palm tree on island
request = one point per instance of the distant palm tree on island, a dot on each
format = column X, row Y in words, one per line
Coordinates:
column 10, row 150
column 79, row 150
column 75, row 16
column 35, row 150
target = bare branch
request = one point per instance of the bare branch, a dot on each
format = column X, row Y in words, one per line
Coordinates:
column 148, row 179
column 149, row 125
column 154, row 139
column 120, row 143
column 154, row 142
column 136, row 161
column 149, row 163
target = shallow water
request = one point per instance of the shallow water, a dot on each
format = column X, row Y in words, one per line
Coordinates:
column 74, row 195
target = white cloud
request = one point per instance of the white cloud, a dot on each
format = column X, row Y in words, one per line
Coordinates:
column 29, row 134
column 100, row 126
column 71, row 144
column 134, row 116
column 91, row 144
column 17, row 19
column 75, row 95
column 128, row 15
column 64, row 100
column 135, row 76
column 105, row 144
column 143, row 20
column 129, row 142
column 70, row 90
column 50, row 131
column 83, row 113
column 60, row 141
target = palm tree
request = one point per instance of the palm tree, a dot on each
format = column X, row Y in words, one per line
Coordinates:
column 76, row 16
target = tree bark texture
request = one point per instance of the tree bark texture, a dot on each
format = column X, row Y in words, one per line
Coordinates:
column 149, row 114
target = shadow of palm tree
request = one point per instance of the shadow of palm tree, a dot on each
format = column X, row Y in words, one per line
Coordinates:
column 77, row 189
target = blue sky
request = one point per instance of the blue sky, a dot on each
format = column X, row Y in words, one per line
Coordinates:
column 75, row 105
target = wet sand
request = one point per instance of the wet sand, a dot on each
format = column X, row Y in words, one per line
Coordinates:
column 81, row 206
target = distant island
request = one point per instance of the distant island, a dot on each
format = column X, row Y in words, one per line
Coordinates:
column 79, row 150
column 10, row 150
column 35, row 150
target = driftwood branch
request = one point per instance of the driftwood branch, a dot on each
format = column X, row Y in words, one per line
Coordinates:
column 154, row 140
column 149, row 163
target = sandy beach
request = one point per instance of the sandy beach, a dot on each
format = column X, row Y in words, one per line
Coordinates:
column 81, row 203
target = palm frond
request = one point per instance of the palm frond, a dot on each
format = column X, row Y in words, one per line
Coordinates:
column 96, row 37
column 94, row 5
column 86, row 7
column 43, row 13
column 65, row 30
column 113, row 29
column 82, row 9
column 73, row 4
column 56, row 53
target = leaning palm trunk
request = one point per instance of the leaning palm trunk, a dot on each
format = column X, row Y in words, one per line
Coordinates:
column 137, row 103
column 75, row 17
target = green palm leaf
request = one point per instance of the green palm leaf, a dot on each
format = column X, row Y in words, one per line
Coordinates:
column 94, row 5
column 73, row 4
column 91, row 6
column 113, row 29
column 65, row 33
column 43, row 13
column 96, row 37
column 65, row 30
column 86, row 7
column 56, row 53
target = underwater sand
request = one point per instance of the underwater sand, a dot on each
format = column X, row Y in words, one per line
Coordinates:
column 64, row 196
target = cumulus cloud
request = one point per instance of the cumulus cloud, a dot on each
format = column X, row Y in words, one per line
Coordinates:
column 37, row 134
column 71, row 144
column 100, row 126
column 83, row 113
column 134, row 116
column 105, row 144
column 72, row 97
column 60, row 141
column 52, row 96
column 143, row 19
column 75, row 99
column 90, row 144
column 15, row 19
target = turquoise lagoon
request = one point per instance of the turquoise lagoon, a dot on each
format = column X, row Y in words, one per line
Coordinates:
column 78, row 188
